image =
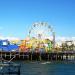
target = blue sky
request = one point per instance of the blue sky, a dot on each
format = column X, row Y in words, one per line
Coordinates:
column 17, row 16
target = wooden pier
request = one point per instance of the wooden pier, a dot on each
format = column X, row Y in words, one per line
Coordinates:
column 38, row 56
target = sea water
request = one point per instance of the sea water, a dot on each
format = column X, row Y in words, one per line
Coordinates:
column 47, row 68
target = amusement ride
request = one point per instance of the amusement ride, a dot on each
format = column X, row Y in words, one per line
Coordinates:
column 41, row 38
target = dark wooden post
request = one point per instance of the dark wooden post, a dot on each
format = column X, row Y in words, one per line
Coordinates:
column 48, row 56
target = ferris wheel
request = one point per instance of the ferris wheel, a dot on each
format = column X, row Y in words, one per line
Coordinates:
column 41, row 30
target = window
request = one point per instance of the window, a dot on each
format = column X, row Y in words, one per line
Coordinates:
column 4, row 43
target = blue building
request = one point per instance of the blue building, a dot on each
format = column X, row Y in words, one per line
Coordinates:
column 6, row 46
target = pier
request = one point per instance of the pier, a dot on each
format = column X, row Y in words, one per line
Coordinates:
column 53, row 56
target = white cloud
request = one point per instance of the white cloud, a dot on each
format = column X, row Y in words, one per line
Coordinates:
column 9, row 38
column 57, row 39
column 65, row 38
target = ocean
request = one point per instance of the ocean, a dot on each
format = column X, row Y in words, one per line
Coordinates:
column 47, row 68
